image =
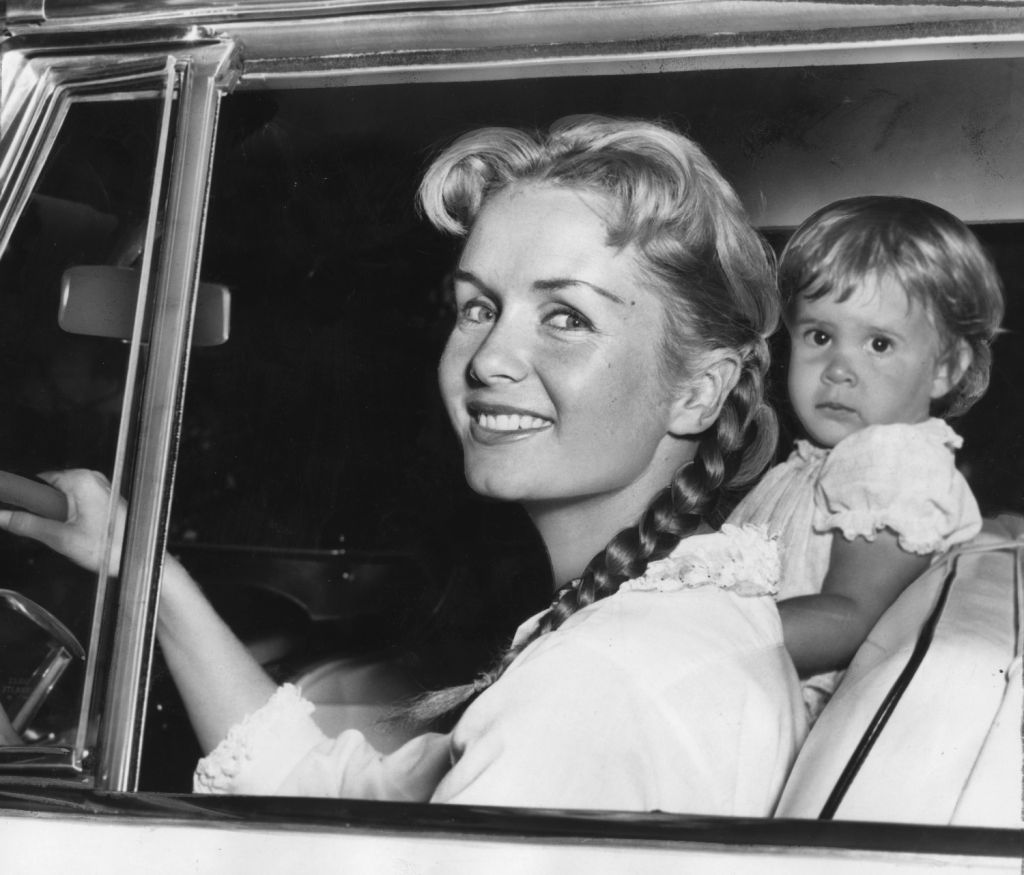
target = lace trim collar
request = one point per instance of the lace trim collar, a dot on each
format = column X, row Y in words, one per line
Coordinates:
column 742, row 559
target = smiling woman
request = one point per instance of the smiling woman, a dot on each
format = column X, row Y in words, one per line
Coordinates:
column 306, row 474
column 575, row 261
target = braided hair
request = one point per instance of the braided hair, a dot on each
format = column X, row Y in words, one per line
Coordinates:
column 715, row 277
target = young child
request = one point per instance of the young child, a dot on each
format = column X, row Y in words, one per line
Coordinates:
column 891, row 306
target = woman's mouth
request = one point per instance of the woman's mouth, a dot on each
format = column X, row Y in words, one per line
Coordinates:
column 509, row 421
column 492, row 422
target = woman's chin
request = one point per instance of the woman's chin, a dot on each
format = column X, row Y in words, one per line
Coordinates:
column 499, row 488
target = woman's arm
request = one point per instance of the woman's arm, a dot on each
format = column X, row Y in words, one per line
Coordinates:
column 218, row 679
column 822, row 632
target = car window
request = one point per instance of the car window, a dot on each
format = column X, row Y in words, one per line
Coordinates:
column 319, row 495
column 63, row 398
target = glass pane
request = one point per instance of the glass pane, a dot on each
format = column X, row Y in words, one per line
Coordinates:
column 68, row 285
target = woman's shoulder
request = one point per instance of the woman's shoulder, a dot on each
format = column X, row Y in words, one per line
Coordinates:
column 710, row 598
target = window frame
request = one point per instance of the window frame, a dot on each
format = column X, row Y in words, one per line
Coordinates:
column 413, row 43
column 40, row 84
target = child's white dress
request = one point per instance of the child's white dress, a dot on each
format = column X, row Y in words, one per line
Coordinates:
column 898, row 477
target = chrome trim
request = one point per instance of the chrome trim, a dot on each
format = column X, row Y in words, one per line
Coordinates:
column 103, row 630
column 709, row 16
column 37, row 94
column 24, row 12
column 44, row 88
column 201, row 74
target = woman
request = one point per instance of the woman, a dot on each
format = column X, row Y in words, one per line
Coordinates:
column 605, row 371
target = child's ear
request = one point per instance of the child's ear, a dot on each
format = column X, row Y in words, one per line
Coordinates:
column 951, row 368
column 699, row 401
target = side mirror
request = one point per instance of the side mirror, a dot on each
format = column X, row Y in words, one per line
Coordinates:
column 99, row 301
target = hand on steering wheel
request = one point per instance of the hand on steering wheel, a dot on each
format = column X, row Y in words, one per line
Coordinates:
column 67, row 512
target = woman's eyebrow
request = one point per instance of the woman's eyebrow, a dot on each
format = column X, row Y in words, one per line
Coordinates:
column 546, row 286
column 558, row 283
column 468, row 277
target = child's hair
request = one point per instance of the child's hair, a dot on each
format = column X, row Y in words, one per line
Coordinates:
column 926, row 251
column 710, row 267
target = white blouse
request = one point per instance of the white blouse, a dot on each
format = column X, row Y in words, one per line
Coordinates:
column 675, row 694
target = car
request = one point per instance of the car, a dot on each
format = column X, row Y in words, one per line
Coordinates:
column 217, row 292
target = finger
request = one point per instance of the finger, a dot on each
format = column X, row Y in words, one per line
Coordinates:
column 28, row 525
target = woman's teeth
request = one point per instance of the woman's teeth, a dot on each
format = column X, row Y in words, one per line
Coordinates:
column 509, row 421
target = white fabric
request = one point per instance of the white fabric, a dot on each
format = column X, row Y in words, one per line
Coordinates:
column 666, row 698
column 898, row 477
column 951, row 750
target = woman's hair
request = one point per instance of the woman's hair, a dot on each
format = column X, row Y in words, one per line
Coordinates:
column 711, row 269
column 927, row 252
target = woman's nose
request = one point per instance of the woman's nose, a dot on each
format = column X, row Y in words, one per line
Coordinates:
column 839, row 370
column 501, row 357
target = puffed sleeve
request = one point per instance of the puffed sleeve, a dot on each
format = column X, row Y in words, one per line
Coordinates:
column 902, row 478
column 280, row 751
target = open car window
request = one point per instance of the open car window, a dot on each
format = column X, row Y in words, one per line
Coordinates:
column 314, row 445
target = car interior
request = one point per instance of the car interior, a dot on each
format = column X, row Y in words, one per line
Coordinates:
column 318, row 494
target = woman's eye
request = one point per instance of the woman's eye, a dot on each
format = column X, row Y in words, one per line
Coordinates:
column 567, row 319
column 880, row 344
column 477, row 311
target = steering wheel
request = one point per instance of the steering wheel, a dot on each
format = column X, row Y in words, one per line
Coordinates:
column 23, row 493
column 34, row 687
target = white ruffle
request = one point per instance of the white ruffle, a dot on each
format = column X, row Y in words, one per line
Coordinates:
column 218, row 772
column 742, row 559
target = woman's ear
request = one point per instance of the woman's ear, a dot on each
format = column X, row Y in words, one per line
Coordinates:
column 699, row 401
column 950, row 368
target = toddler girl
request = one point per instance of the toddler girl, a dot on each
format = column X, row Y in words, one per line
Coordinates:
column 891, row 307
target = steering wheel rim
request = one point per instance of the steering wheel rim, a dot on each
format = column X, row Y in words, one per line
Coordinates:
column 24, row 493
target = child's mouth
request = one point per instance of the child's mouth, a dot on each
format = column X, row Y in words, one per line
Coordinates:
column 835, row 409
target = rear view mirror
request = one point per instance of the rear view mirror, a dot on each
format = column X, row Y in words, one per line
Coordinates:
column 99, row 301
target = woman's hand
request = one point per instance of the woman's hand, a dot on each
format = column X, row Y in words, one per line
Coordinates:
column 81, row 537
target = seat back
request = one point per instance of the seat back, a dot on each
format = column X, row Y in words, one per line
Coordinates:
column 950, row 751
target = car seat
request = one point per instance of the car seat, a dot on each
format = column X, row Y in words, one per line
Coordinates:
column 926, row 725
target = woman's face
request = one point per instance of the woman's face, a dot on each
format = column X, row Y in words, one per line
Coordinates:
column 551, row 374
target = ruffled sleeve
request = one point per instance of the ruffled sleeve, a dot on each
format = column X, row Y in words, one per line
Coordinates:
column 280, row 751
column 902, row 478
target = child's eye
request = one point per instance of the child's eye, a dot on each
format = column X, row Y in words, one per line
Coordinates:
column 817, row 337
column 568, row 319
column 477, row 311
column 880, row 344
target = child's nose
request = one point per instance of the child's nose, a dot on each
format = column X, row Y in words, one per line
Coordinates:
column 839, row 370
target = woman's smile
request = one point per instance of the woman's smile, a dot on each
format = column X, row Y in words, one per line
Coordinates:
column 491, row 423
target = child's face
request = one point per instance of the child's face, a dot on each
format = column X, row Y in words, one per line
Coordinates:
column 872, row 359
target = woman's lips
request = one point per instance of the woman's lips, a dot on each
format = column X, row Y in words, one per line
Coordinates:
column 498, row 422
